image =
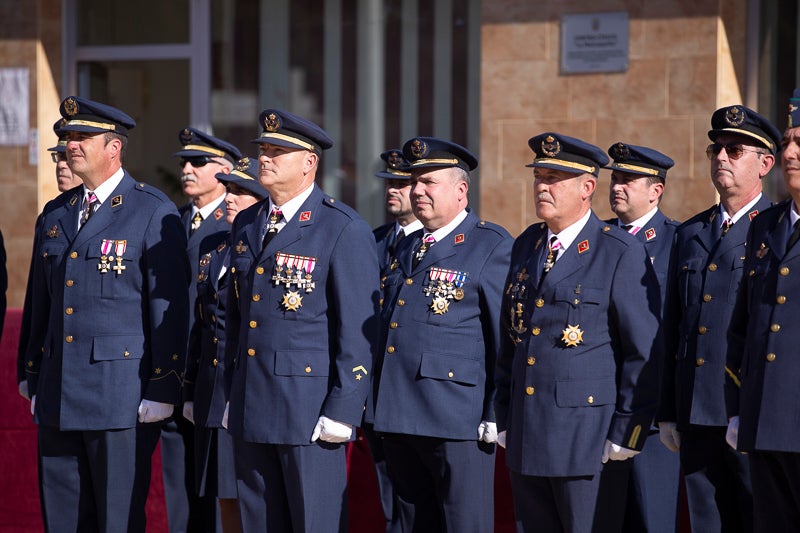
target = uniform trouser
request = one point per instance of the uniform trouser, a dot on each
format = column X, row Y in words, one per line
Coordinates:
column 653, row 490
column 776, row 491
column 441, row 485
column 717, row 481
column 385, row 490
column 285, row 488
column 96, row 481
column 574, row 504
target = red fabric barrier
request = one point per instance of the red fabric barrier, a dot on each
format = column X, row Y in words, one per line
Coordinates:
column 19, row 508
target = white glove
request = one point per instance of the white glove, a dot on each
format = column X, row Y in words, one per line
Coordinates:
column 615, row 452
column 669, row 435
column 188, row 411
column 331, row 430
column 501, row 439
column 23, row 389
column 487, row 432
column 225, row 415
column 732, row 435
column 33, row 404
column 150, row 411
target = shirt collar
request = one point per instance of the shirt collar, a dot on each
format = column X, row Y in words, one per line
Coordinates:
column 292, row 206
column 641, row 221
column 740, row 213
column 570, row 233
column 409, row 228
column 209, row 208
column 104, row 190
column 444, row 231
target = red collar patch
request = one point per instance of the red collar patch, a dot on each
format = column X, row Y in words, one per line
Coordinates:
column 458, row 239
column 583, row 246
column 305, row 216
column 650, row 234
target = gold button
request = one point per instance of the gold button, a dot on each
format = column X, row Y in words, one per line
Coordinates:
column 260, row 270
column 539, row 302
column 215, row 362
column 253, row 324
column 775, row 328
column 69, row 310
column 401, row 302
column 214, row 296
column 590, row 399
column 213, row 318
column 214, row 340
column 752, row 273
column 233, row 270
column 770, row 357
column 409, row 281
column 700, row 361
column 256, row 297
column 45, row 254
column 308, row 369
column 390, row 349
column 251, row 352
column 68, row 338
column 784, row 271
column 576, row 301
column 531, row 360
column 70, row 283
column 393, row 325
column 712, row 267
column 781, row 300
column 126, row 353
column 383, row 278
column 702, row 330
column 73, row 255
column 535, row 330
column 529, row 391
column 450, row 374
column 380, row 302
column 706, row 297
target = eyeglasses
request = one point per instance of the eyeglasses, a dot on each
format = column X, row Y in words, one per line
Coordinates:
column 198, row 161
column 734, row 151
column 58, row 156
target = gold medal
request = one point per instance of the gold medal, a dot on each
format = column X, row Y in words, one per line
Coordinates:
column 572, row 336
column 292, row 301
column 440, row 305
column 458, row 294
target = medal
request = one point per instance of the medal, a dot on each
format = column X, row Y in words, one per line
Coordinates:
column 119, row 248
column 292, row 301
column 572, row 336
column 105, row 259
column 440, row 305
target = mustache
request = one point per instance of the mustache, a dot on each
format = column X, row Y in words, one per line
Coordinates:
column 544, row 197
column 188, row 177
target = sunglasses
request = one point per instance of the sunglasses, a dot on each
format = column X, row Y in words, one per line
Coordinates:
column 197, row 161
column 58, row 156
column 734, row 151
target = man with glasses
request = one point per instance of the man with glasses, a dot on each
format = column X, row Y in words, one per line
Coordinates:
column 106, row 353
column 705, row 269
column 202, row 156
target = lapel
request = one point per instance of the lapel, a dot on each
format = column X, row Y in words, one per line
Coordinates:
column 68, row 221
column 738, row 232
column 778, row 236
column 708, row 235
column 572, row 260
column 405, row 252
column 108, row 211
column 447, row 247
column 207, row 227
column 535, row 264
column 650, row 232
column 293, row 230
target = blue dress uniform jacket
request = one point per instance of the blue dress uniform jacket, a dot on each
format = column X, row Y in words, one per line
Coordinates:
column 701, row 292
column 762, row 345
column 435, row 376
column 559, row 402
column 384, row 239
column 291, row 366
column 105, row 334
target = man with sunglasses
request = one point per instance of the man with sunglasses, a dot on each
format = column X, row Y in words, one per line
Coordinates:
column 762, row 366
column 705, row 270
column 202, row 156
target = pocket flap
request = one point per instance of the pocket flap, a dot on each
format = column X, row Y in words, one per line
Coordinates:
column 586, row 392
column 450, row 368
column 302, row 363
column 117, row 347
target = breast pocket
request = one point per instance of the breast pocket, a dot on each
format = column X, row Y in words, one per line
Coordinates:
column 50, row 254
column 240, row 269
column 689, row 281
column 116, row 266
column 582, row 303
column 737, row 267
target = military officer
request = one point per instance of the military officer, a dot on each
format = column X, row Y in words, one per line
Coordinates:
column 638, row 178
column 433, row 384
column 65, row 180
column 302, row 317
column 703, row 280
column 398, row 204
column 204, row 386
column 108, row 330
column 576, row 379
column 762, row 370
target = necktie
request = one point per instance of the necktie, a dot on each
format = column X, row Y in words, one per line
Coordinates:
column 552, row 254
column 90, row 203
column 726, row 226
column 399, row 237
column 272, row 227
column 197, row 219
column 793, row 238
column 427, row 241
column 626, row 227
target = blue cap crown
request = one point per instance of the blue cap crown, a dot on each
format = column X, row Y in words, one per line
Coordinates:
column 743, row 121
column 198, row 143
column 88, row 116
column 396, row 166
column 425, row 152
column 245, row 175
column 639, row 160
column 794, row 109
column 560, row 152
column 61, row 147
column 287, row 129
